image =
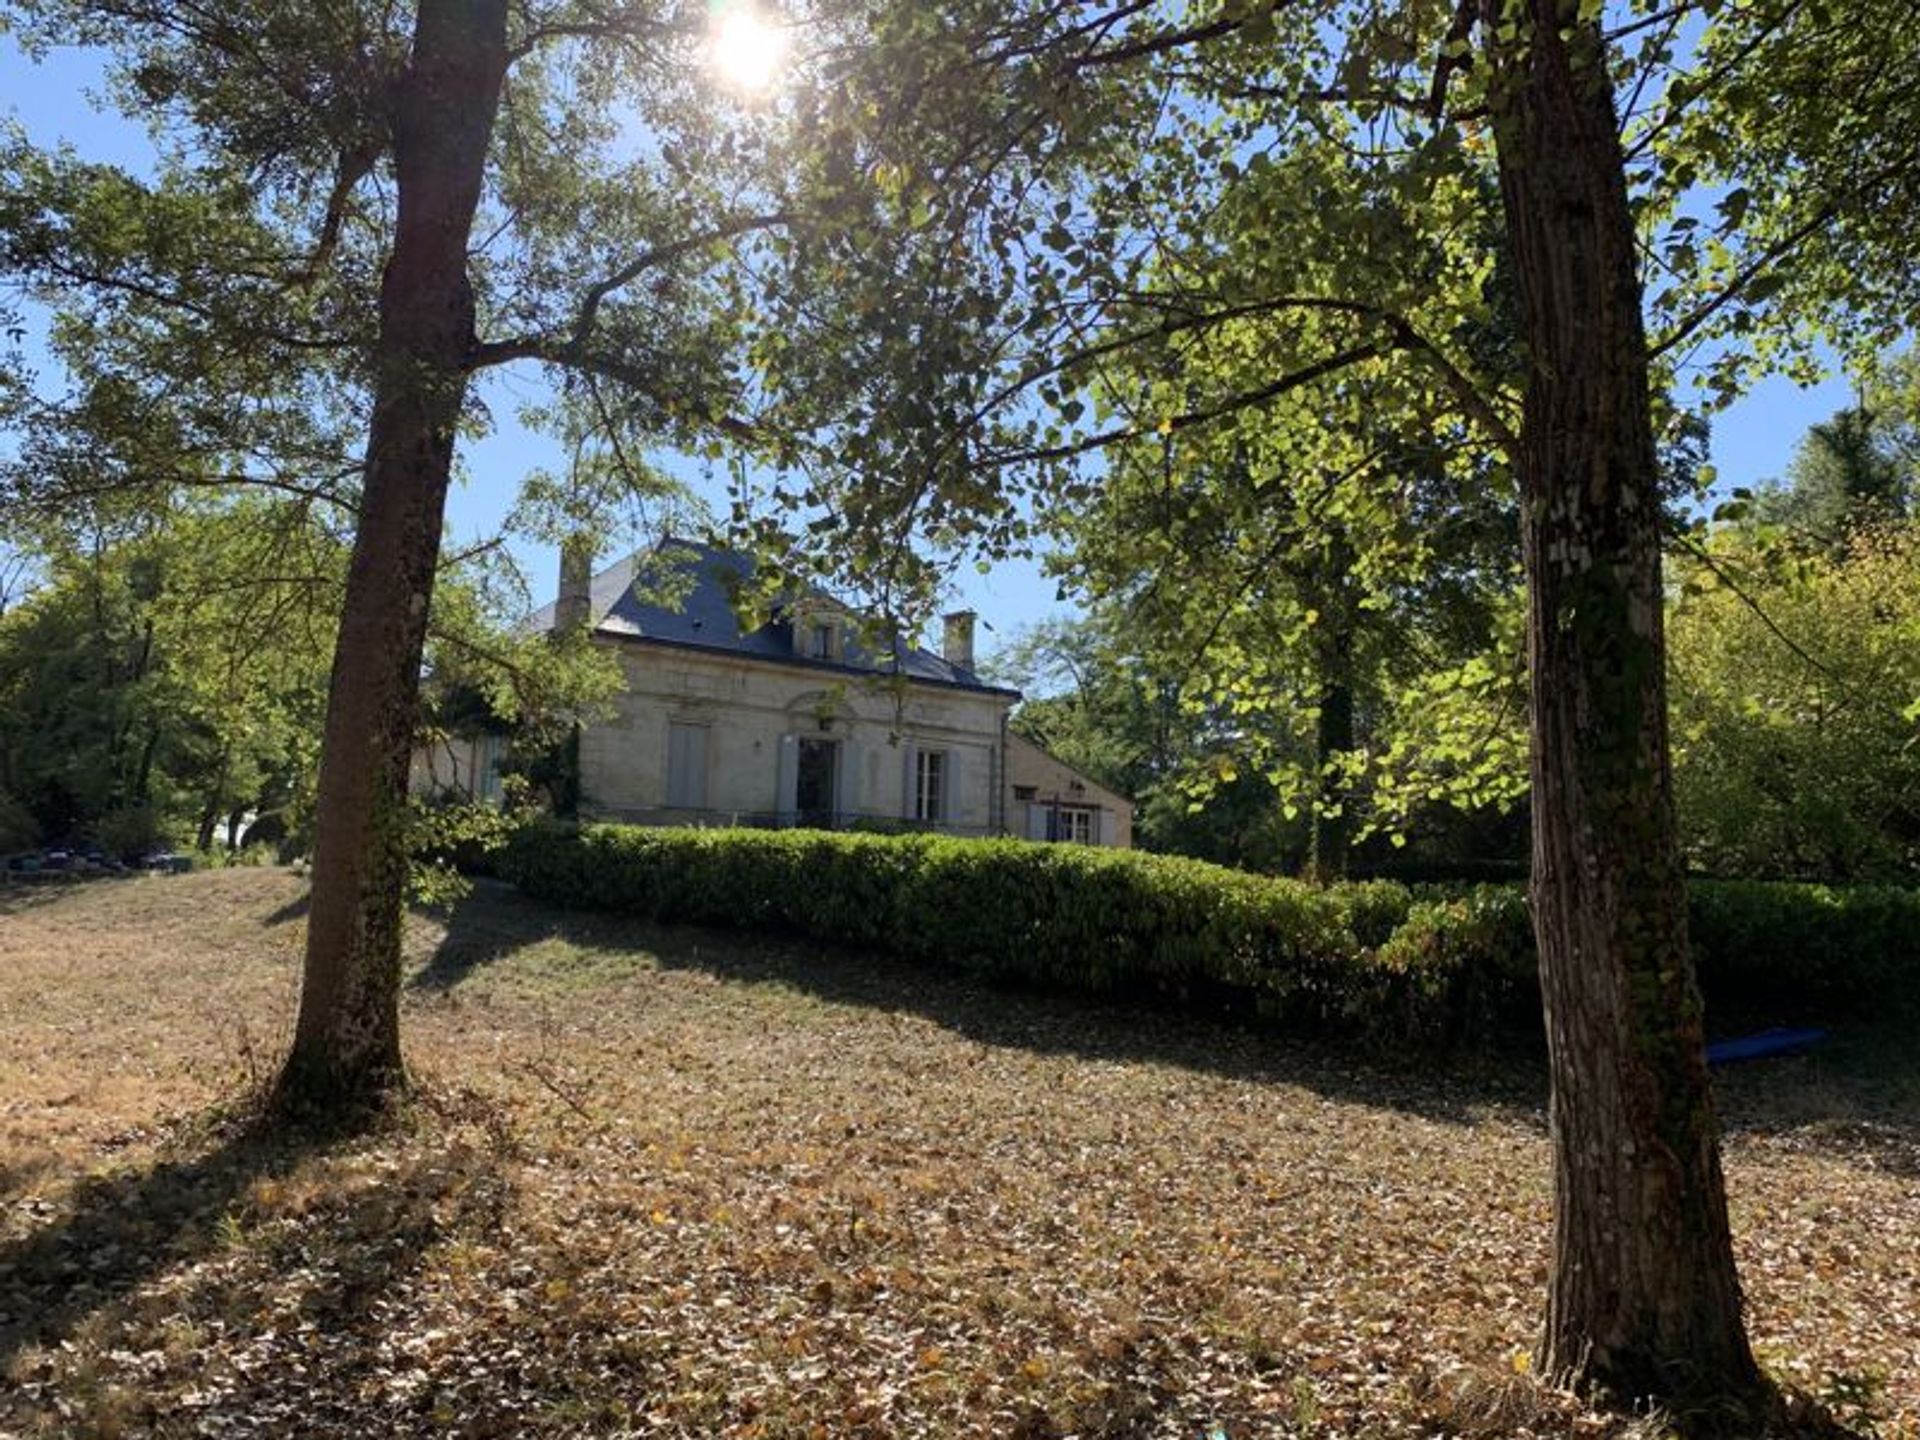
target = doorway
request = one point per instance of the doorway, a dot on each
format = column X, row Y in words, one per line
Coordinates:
column 814, row 787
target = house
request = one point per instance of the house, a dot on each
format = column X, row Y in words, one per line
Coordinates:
column 1050, row 800
column 796, row 722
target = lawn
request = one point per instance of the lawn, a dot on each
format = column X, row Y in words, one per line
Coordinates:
column 665, row 1183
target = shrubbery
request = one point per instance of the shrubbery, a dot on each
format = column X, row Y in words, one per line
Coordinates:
column 1373, row 958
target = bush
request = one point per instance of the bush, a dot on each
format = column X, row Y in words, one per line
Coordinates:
column 1060, row 916
column 1768, row 946
column 1371, row 959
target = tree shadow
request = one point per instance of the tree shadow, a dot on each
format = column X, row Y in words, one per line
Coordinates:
column 83, row 1267
column 121, row 1230
column 1855, row 1099
column 294, row 909
column 495, row 921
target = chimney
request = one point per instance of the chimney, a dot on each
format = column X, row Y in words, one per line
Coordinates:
column 573, row 605
column 957, row 646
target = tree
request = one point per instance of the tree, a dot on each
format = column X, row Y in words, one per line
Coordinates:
column 1300, row 582
column 167, row 678
column 1100, row 696
column 1643, row 1300
column 1859, row 468
column 347, row 1041
column 267, row 291
column 1794, row 678
column 1643, row 1295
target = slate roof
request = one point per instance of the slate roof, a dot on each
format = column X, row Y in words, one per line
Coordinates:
column 704, row 619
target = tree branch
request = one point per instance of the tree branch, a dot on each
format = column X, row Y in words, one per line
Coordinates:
column 1747, row 274
column 1166, row 40
column 546, row 347
column 1246, row 400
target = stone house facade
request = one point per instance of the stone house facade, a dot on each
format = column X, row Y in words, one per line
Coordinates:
column 793, row 723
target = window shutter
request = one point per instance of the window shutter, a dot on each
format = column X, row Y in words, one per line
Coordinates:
column 953, row 786
column 909, row 776
column 787, row 779
column 847, row 780
column 1097, row 827
column 1037, row 821
column 686, row 766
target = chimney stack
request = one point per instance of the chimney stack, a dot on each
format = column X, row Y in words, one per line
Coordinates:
column 957, row 646
column 573, row 606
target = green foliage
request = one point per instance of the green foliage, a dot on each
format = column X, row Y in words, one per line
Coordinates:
column 172, row 662
column 1371, row 959
column 18, row 829
column 1860, row 468
column 131, row 832
column 448, row 841
column 1770, row 947
column 1796, row 750
column 1802, row 120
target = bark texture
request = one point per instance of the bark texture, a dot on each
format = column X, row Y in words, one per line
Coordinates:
column 346, row 1049
column 1644, row 1299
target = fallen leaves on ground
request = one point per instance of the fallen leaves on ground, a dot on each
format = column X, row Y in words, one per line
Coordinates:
column 664, row 1183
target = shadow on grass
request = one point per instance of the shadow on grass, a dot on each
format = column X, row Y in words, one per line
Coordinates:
column 122, row 1230
column 1853, row 1100
column 495, row 921
column 294, row 909
column 339, row 1249
column 19, row 896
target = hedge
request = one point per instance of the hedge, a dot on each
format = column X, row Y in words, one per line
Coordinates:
column 1374, row 958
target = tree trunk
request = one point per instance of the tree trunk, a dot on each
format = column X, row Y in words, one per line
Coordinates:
column 346, row 1050
column 143, row 772
column 1330, row 839
column 1332, row 825
column 1644, row 1300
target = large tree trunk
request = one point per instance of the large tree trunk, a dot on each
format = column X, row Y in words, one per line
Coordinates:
column 1644, row 1300
column 346, row 1049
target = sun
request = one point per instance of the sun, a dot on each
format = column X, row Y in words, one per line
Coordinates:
column 746, row 48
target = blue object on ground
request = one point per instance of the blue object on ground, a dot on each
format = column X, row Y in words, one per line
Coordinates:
column 1764, row 1045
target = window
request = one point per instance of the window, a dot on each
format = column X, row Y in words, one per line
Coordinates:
column 686, row 766
column 1025, row 792
column 489, row 752
column 820, row 640
column 930, row 785
column 1074, row 824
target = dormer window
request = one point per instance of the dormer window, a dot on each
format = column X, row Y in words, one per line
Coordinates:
column 821, row 641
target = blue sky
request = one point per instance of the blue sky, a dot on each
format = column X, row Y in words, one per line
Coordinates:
column 53, row 100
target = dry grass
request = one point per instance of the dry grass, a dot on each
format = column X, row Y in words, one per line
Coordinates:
column 667, row 1184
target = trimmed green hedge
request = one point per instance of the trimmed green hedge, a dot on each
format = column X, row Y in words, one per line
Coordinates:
column 1373, row 957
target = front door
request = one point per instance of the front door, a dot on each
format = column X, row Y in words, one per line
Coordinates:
column 814, row 788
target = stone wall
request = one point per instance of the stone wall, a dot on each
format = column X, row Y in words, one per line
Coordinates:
column 755, row 713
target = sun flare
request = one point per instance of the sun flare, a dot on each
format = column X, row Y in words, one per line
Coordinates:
column 747, row 48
